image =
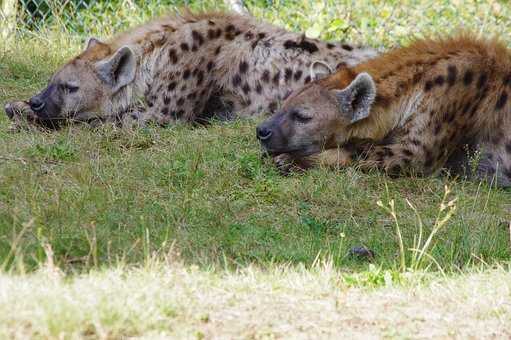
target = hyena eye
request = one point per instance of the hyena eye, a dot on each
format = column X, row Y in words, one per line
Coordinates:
column 296, row 115
column 70, row 88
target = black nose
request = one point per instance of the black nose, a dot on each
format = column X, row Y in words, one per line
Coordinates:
column 263, row 133
column 9, row 111
column 36, row 104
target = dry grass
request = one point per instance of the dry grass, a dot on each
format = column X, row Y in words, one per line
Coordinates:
column 162, row 301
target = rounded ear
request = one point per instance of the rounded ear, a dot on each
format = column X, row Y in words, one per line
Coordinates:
column 118, row 70
column 356, row 99
column 319, row 70
column 91, row 42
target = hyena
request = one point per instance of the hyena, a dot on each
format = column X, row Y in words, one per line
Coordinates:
column 184, row 67
column 438, row 103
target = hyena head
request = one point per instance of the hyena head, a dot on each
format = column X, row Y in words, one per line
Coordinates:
column 87, row 84
column 315, row 117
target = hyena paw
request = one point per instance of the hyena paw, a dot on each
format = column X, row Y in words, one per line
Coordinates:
column 20, row 114
column 287, row 164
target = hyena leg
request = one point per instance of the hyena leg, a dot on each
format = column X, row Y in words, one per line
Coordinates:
column 407, row 156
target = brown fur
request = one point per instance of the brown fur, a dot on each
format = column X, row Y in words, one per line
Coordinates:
column 437, row 102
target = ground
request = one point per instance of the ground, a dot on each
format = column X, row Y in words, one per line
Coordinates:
column 106, row 204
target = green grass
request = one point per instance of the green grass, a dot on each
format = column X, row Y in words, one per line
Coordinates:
column 100, row 197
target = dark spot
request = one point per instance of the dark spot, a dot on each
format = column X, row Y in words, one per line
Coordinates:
column 394, row 170
column 166, row 100
column 428, row 86
column 173, row 56
column 197, row 37
column 417, row 77
column 407, row 152
column 194, row 48
column 200, row 77
column 450, row 117
column 501, row 102
column 466, row 107
column 249, row 35
column 439, row 80
column 298, row 75
column 307, row 80
column 474, row 109
column 438, row 128
column 266, row 76
column 452, row 74
column 186, row 74
column 172, row 86
column 180, row 101
column 429, row 161
column 508, row 147
column 211, row 23
column 218, row 49
column 330, row 46
column 483, row 78
column 191, row 95
column 347, row 47
column 165, row 111
column 246, row 88
column 340, row 65
column 212, row 34
column 179, row 114
column 288, row 73
column 230, row 28
column 507, row 80
column 243, row 67
column 415, row 142
column 468, row 77
column 276, row 78
column 381, row 100
column 303, row 44
column 236, row 80
column 259, row 88
column 388, row 151
column 273, row 106
column 400, row 88
column 184, row 47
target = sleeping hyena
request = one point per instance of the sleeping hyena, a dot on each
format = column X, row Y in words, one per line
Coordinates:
column 186, row 66
column 435, row 104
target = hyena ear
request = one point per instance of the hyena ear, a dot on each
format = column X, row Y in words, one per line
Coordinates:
column 91, row 42
column 118, row 70
column 319, row 70
column 356, row 99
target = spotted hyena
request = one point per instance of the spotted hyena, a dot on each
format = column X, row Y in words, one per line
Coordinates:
column 435, row 104
column 187, row 67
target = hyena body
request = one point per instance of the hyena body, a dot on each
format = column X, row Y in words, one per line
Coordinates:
column 184, row 66
column 416, row 109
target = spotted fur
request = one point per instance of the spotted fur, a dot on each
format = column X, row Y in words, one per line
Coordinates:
column 190, row 66
column 438, row 104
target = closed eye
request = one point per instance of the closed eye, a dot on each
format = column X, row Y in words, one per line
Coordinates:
column 300, row 117
column 70, row 88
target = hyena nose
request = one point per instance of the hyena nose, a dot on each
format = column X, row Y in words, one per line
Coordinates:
column 263, row 133
column 36, row 104
column 9, row 111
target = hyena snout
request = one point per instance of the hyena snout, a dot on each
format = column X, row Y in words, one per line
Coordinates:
column 263, row 133
column 36, row 103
